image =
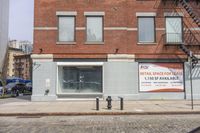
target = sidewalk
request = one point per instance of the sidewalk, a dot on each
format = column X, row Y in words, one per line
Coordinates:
column 28, row 108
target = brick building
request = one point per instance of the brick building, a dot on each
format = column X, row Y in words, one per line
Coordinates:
column 138, row 49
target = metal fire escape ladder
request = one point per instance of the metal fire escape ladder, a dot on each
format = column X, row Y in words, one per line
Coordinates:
column 189, row 10
column 191, row 37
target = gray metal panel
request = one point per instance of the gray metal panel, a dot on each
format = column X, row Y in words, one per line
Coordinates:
column 42, row 73
column 195, row 81
column 162, row 96
column 120, row 78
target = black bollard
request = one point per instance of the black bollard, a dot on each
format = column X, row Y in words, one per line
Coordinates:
column 97, row 103
column 121, row 103
column 109, row 100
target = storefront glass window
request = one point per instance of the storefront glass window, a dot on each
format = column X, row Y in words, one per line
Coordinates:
column 81, row 79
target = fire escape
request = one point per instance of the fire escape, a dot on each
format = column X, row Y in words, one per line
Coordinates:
column 186, row 36
column 193, row 37
column 190, row 35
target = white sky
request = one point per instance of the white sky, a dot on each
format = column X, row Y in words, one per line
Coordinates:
column 21, row 20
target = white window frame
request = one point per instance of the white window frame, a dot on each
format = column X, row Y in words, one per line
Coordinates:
column 80, row 64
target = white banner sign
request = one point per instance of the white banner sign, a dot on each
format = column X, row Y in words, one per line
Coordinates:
column 161, row 77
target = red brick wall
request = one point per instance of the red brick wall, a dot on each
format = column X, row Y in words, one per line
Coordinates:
column 118, row 13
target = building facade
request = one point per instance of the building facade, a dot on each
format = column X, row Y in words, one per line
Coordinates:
column 25, row 46
column 23, row 66
column 12, row 52
column 131, row 48
column 4, row 16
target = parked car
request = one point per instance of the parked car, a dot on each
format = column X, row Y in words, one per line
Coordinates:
column 9, row 87
column 15, row 88
column 29, row 87
column 19, row 88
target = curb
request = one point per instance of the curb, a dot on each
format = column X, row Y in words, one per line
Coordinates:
column 99, row 113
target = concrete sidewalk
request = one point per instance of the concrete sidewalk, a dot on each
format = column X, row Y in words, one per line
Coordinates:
column 28, row 108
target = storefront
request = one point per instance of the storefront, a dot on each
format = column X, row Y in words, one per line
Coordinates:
column 133, row 80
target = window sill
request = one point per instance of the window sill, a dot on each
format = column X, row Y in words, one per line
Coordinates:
column 70, row 43
column 174, row 43
column 94, row 43
column 147, row 43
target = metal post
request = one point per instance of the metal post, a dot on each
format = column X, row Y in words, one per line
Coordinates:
column 121, row 103
column 191, row 86
column 97, row 103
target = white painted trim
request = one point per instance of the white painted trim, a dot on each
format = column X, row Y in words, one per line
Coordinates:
column 59, row 43
column 103, row 79
column 84, row 28
column 147, row 43
column 121, row 57
column 79, row 63
column 173, row 14
column 42, row 56
column 80, row 28
column 94, row 43
column 42, row 60
column 105, row 28
column 132, row 29
column 160, row 29
column 94, row 13
column 45, row 28
column 120, row 28
column 114, row 56
column 138, row 14
column 66, row 13
column 57, row 80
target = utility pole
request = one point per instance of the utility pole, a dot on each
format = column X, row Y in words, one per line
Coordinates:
column 191, row 86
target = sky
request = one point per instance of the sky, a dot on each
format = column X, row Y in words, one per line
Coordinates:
column 21, row 20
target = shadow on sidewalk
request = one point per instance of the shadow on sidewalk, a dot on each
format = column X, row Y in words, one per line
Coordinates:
column 196, row 130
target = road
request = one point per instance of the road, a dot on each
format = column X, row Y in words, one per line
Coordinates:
column 101, row 124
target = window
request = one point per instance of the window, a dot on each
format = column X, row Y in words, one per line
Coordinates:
column 66, row 29
column 173, row 29
column 146, row 27
column 80, row 79
column 94, row 29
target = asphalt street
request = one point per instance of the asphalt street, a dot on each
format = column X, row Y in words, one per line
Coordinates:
column 102, row 124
